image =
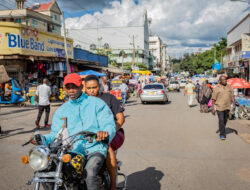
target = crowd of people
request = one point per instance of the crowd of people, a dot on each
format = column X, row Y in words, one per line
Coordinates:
column 219, row 99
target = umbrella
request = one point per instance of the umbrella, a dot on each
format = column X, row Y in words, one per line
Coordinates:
column 238, row 83
column 91, row 72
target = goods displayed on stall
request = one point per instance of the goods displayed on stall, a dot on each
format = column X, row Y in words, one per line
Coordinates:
column 3, row 75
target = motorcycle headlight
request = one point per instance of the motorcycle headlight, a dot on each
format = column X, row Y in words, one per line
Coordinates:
column 39, row 157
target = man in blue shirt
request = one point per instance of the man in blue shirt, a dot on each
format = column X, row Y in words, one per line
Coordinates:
column 85, row 113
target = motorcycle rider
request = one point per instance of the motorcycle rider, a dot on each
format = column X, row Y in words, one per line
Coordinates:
column 92, row 88
column 84, row 113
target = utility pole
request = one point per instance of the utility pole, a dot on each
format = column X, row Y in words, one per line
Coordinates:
column 133, row 60
column 65, row 46
column 98, row 38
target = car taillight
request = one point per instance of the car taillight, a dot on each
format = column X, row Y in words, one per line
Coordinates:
column 142, row 92
column 162, row 92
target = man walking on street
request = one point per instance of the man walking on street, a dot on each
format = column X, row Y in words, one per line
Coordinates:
column 222, row 98
column 43, row 93
column 124, row 89
column 189, row 90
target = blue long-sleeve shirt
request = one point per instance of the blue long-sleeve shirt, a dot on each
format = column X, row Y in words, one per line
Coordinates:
column 84, row 114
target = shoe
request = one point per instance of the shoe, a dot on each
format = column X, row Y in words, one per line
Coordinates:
column 37, row 124
column 48, row 125
column 222, row 137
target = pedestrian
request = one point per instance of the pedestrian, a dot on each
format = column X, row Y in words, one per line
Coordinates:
column 43, row 93
column 222, row 97
column 197, row 88
column 105, row 85
column 138, row 90
column 124, row 89
column 205, row 94
column 189, row 90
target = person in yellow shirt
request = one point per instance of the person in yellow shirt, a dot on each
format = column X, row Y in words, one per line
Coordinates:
column 189, row 90
column 8, row 89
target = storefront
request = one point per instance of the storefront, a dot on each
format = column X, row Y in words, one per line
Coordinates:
column 31, row 55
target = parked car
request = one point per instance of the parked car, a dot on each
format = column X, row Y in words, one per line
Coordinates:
column 154, row 92
column 174, row 85
column 183, row 83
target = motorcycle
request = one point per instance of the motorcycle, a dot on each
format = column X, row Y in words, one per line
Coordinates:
column 56, row 168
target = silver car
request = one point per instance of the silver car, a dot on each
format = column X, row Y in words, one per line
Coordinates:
column 154, row 93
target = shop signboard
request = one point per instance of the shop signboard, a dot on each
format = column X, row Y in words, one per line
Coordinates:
column 245, row 42
column 246, row 55
column 22, row 40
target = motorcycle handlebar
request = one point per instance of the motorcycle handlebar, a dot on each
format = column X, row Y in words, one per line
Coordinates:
column 92, row 136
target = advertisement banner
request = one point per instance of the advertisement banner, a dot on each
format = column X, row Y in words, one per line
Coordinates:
column 245, row 42
column 22, row 40
column 246, row 55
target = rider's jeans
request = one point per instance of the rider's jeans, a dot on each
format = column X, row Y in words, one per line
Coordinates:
column 94, row 164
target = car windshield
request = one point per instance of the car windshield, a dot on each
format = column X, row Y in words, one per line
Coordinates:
column 154, row 86
column 116, row 85
column 16, row 84
column 174, row 82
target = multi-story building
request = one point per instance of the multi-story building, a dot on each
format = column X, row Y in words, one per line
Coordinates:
column 238, row 39
column 155, row 47
column 131, row 41
column 45, row 17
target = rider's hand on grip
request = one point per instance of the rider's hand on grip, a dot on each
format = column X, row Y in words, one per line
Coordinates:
column 102, row 136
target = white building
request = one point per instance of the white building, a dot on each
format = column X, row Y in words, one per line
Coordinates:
column 155, row 47
column 238, row 46
column 128, row 39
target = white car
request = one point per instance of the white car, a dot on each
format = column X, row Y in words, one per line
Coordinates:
column 183, row 83
column 174, row 85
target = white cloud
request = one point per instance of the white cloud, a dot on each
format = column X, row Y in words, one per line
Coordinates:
column 189, row 24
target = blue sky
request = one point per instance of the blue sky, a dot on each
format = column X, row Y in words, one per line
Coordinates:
column 185, row 25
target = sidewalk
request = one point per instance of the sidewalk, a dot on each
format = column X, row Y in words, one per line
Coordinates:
column 242, row 127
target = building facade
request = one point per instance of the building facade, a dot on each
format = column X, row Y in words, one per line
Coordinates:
column 155, row 47
column 133, row 40
column 45, row 17
column 238, row 39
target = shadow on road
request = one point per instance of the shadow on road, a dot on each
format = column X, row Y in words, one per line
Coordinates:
column 229, row 130
column 148, row 179
column 18, row 111
column 157, row 103
column 193, row 105
column 8, row 133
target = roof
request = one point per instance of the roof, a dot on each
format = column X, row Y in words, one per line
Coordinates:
column 242, row 20
column 42, row 7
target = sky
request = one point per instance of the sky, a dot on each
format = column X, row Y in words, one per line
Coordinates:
column 184, row 25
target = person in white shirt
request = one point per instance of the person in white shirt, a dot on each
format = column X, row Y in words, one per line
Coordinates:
column 43, row 93
column 124, row 89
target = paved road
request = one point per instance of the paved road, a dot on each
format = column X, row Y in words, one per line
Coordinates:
column 167, row 147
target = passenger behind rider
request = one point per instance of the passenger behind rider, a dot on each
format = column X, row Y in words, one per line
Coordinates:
column 85, row 113
column 92, row 88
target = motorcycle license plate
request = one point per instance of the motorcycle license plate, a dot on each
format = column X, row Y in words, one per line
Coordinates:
column 152, row 93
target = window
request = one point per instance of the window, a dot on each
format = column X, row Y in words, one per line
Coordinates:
column 18, row 20
column 54, row 17
column 35, row 23
column 152, row 43
column 54, row 29
column 27, row 22
column 154, row 86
